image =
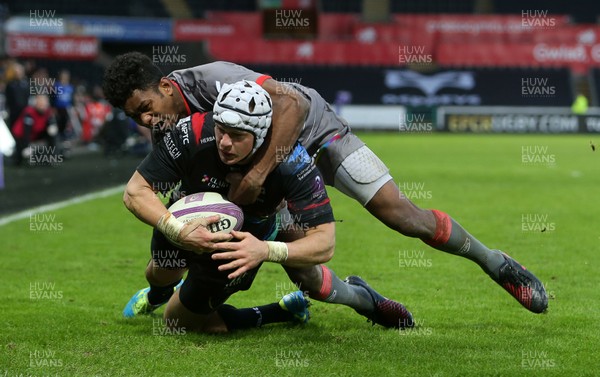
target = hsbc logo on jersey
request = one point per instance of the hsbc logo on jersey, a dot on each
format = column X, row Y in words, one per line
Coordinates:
column 213, row 182
column 207, row 139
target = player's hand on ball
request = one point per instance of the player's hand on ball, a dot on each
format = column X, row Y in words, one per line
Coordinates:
column 246, row 254
column 195, row 236
column 243, row 190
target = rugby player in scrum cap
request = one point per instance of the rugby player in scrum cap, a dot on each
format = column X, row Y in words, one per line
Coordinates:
column 133, row 83
column 203, row 151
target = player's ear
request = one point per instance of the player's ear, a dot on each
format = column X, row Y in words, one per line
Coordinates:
column 165, row 86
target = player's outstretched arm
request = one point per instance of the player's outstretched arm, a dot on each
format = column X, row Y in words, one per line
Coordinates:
column 290, row 109
column 142, row 201
column 316, row 247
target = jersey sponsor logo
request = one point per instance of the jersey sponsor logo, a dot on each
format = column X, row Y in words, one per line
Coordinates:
column 207, row 139
column 213, row 182
column 185, row 131
column 306, row 171
column 171, row 147
column 318, row 188
column 299, row 157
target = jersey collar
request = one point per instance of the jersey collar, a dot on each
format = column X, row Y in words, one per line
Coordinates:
column 187, row 107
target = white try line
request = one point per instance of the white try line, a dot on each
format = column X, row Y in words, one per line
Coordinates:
column 54, row 206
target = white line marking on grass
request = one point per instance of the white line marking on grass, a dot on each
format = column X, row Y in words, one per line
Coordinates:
column 65, row 203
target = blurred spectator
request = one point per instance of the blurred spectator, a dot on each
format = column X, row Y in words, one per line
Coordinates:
column 36, row 122
column 114, row 133
column 63, row 101
column 96, row 111
column 580, row 105
column 40, row 83
column 139, row 142
column 31, row 67
column 342, row 97
column 17, row 91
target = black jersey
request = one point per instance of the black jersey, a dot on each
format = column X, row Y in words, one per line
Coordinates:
column 188, row 153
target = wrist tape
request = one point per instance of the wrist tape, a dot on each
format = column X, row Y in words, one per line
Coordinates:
column 170, row 226
column 278, row 251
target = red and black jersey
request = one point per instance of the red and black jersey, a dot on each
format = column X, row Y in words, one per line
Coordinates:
column 188, row 153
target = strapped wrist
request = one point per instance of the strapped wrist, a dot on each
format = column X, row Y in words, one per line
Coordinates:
column 278, row 251
column 170, row 226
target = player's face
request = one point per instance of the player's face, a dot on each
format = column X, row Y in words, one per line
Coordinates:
column 234, row 145
column 160, row 106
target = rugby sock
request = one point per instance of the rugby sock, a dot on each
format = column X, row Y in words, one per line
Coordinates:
column 452, row 238
column 159, row 295
column 237, row 319
column 337, row 291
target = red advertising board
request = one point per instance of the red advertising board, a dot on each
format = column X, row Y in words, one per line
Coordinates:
column 51, row 47
column 195, row 30
column 578, row 57
column 394, row 34
column 583, row 34
column 219, row 24
column 294, row 52
column 244, row 24
column 465, row 24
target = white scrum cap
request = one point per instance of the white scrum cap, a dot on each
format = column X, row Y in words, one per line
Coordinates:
column 247, row 106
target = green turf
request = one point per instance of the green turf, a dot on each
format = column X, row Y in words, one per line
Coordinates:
column 63, row 287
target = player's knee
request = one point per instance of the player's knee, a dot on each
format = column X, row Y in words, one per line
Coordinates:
column 150, row 272
column 155, row 276
column 161, row 276
column 211, row 329
column 176, row 324
column 173, row 323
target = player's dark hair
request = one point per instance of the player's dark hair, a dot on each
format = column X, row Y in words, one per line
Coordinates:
column 127, row 73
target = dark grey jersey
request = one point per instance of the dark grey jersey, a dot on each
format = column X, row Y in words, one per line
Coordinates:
column 200, row 86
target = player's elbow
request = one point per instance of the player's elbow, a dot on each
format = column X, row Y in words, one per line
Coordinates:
column 128, row 198
column 294, row 103
column 134, row 191
column 328, row 254
column 302, row 106
column 325, row 238
column 287, row 99
column 328, row 250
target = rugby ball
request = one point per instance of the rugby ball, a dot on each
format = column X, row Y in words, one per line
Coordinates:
column 205, row 204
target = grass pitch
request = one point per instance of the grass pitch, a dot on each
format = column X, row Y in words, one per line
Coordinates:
column 67, row 274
